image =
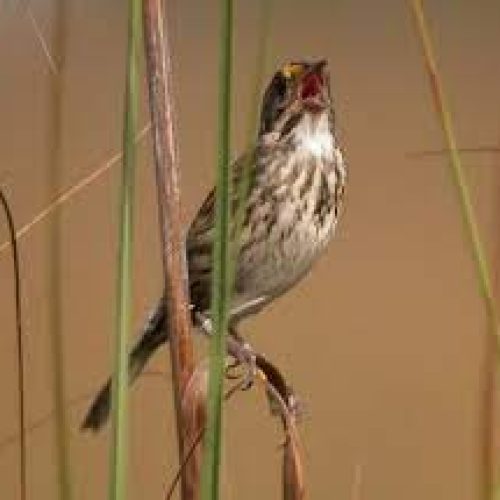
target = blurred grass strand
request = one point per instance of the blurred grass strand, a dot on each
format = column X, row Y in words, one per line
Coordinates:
column 40, row 38
column 20, row 346
column 467, row 210
column 429, row 153
column 38, row 423
column 86, row 181
column 221, row 276
column 357, row 482
column 54, row 282
column 262, row 35
column 118, row 454
column 68, row 194
column 478, row 253
column 243, row 187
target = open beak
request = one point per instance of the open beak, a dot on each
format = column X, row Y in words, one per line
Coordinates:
column 312, row 88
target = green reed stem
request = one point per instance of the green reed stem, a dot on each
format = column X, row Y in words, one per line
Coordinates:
column 457, row 170
column 118, row 452
column 262, row 36
column 55, row 129
column 243, row 185
column 221, row 275
column 473, row 235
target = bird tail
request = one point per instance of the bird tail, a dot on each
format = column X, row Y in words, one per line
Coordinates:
column 154, row 334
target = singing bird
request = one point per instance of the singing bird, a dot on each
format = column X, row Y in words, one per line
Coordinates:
column 297, row 176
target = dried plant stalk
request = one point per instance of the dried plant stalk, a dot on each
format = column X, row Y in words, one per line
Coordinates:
column 20, row 345
column 293, row 476
column 158, row 64
column 284, row 403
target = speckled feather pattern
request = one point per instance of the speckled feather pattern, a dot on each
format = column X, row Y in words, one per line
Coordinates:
column 297, row 179
column 297, row 185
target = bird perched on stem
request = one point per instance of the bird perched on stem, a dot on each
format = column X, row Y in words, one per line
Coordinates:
column 296, row 179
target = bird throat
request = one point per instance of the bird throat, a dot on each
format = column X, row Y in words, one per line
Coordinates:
column 313, row 135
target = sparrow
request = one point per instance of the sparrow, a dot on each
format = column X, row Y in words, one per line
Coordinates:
column 297, row 177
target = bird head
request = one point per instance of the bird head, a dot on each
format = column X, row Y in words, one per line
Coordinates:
column 296, row 89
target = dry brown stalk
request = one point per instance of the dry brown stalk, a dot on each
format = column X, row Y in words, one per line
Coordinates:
column 20, row 344
column 159, row 72
column 283, row 404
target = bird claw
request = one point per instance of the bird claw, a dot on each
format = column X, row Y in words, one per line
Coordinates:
column 250, row 362
column 244, row 356
column 240, row 350
column 230, row 368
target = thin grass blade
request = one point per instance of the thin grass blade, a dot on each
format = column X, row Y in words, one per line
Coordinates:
column 221, row 275
column 243, row 185
column 477, row 248
column 118, row 452
column 20, row 346
column 466, row 208
column 54, row 290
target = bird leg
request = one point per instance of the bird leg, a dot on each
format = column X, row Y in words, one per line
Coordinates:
column 237, row 348
column 244, row 355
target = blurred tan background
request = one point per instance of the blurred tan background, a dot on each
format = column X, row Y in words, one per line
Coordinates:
column 384, row 341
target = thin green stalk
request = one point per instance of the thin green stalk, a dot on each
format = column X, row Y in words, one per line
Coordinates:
column 262, row 35
column 466, row 208
column 54, row 282
column 477, row 248
column 260, row 65
column 118, row 452
column 221, row 276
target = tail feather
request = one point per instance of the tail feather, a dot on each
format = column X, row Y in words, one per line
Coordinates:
column 153, row 335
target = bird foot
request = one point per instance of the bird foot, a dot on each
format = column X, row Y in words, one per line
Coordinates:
column 249, row 360
column 241, row 351
column 244, row 356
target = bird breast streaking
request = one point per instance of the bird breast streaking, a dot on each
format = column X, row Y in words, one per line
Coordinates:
column 297, row 176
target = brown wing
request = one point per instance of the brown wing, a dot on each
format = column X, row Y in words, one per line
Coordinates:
column 201, row 234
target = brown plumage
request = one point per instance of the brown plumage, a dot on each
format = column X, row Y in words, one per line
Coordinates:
column 297, row 178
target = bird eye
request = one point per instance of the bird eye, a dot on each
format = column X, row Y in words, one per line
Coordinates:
column 274, row 101
column 280, row 85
